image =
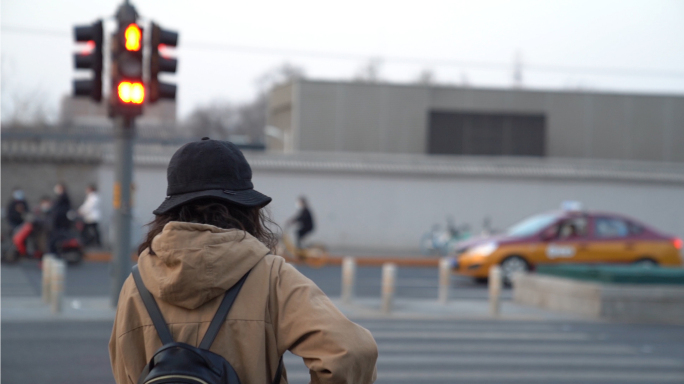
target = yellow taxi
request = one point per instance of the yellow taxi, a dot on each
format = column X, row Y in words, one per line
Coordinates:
column 568, row 237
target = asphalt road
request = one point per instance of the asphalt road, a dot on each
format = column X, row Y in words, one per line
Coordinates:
column 411, row 351
column 93, row 279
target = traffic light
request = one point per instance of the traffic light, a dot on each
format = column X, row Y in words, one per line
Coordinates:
column 90, row 59
column 128, row 90
column 161, row 38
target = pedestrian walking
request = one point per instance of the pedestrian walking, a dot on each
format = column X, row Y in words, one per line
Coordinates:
column 303, row 219
column 16, row 209
column 60, row 208
column 90, row 212
column 209, row 236
column 59, row 216
column 42, row 223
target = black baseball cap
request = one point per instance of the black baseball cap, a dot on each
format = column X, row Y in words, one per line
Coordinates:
column 210, row 169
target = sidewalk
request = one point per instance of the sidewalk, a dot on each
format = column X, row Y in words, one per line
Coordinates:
column 24, row 309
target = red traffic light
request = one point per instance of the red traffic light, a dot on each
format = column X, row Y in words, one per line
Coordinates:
column 89, row 47
column 131, row 93
column 133, row 36
column 90, row 58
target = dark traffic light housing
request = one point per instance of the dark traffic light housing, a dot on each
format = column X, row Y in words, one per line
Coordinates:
column 158, row 63
column 128, row 90
column 92, row 60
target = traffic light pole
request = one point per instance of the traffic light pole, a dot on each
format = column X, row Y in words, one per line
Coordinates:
column 128, row 95
column 123, row 204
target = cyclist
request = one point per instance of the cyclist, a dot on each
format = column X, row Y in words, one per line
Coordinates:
column 303, row 219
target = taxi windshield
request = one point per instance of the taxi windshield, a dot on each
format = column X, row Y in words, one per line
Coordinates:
column 531, row 225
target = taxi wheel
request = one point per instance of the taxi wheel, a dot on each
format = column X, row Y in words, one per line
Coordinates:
column 646, row 262
column 511, row 265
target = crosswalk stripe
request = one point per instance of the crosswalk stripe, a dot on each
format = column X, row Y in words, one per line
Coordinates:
column 575, row 376
column 509, row 348
column 456, row 326
column 534, row 361
column 480, row 335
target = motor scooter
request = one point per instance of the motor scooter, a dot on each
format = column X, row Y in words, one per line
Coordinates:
column 28, row 241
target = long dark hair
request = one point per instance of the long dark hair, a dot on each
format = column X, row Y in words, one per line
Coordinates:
column 255, row 221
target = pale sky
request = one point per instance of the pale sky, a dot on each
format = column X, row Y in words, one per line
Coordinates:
column 576, row 39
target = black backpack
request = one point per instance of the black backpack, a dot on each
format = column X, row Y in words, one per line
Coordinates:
column 180, row 363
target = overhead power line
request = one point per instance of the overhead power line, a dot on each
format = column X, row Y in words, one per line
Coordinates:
column 486, row 65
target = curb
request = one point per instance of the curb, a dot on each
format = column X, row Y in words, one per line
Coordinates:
column 364, row 261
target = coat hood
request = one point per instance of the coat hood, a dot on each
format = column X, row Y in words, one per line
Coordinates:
column 194, row 263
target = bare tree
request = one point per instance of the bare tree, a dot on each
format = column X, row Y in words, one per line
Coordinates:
column 284, row 73
column 369, row 72
column 25, row 109
column 215, row 120
column 226, row 120
column 518, row 70
column 426, row 77
column 252, row 118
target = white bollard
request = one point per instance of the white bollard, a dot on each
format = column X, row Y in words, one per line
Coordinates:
column 389, row 274
column 348, row 279
column 444, row 279
column 57, row 284
column 495, row 283
column 47, row 275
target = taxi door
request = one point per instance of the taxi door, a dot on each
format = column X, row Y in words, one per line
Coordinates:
column 610, row 241
column 570, row 244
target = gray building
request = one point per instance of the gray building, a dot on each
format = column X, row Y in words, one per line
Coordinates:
column 418, row 119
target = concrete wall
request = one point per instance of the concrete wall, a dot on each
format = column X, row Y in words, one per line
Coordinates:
column 385, row 203
column 387, row 118
column 388, row 213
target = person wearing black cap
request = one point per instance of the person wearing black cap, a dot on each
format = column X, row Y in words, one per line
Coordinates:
column 209, row 233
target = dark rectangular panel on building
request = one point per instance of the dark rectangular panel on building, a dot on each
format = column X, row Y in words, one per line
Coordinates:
column 492, row 134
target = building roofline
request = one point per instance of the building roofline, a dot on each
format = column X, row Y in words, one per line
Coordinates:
column 495, row 89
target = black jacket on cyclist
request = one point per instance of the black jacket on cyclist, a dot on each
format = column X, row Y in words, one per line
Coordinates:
column 304, row 220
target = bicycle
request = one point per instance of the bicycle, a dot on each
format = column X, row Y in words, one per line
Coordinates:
column 314, row 255
column 443, row 242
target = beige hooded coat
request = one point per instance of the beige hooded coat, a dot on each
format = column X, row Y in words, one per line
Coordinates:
column 278, row 309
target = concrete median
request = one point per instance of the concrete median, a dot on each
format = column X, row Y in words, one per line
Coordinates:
column 663, row 304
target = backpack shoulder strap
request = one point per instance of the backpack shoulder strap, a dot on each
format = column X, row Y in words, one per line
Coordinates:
column 221, row 313
column 279, row 372
column 152, row 308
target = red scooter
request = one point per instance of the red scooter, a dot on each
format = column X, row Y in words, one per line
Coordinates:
column 26, row 242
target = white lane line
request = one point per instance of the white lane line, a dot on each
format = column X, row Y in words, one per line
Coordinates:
column 509, row 348
column 574, row 376
column 551, row 336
